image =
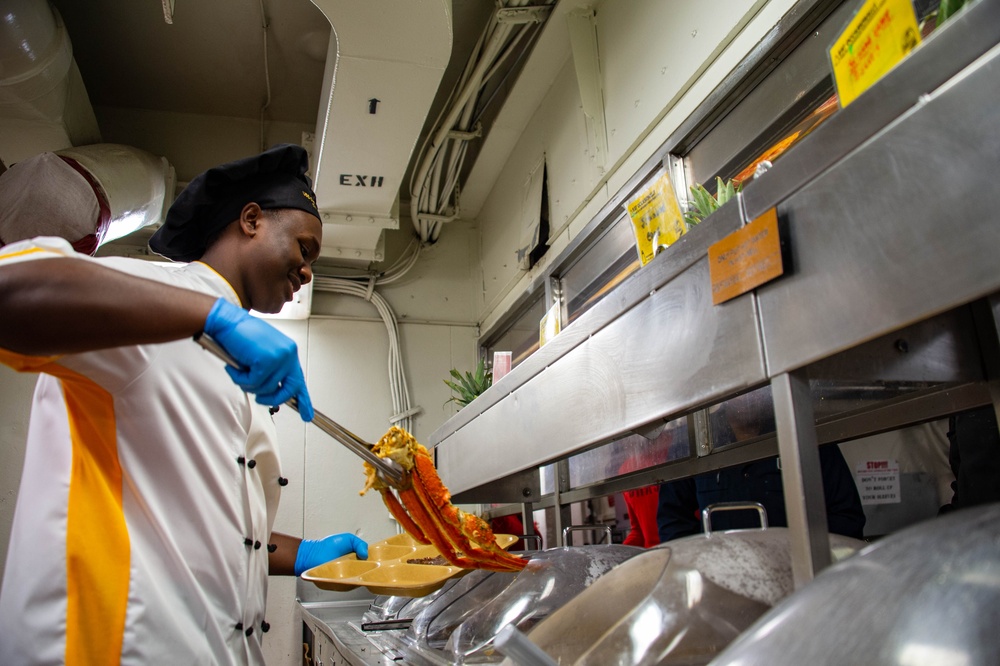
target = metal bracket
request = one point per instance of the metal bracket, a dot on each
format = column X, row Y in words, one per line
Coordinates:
column 742, row 207
column 698, row 426
column 587, row 64
column 359, row 219
column 801, row 478
column 168, row 11
column 520, row 15
column 428, row 217
column 676, row 168
column 475, row 133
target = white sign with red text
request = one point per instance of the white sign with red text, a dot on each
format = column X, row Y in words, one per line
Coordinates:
column 878, row 481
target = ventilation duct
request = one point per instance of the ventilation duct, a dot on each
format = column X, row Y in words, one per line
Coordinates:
column 44, row 108
column 384, row 65
column 88, row 195
column 43, row 101
column 138, row 187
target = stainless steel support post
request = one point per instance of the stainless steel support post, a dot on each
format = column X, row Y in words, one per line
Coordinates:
column 698, row 435
column 554, row 294
column 991, row 351
column 801, row 477
column 562, row 513
column 528, row 519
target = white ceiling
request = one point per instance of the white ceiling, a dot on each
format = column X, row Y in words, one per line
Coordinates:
column 210, row 60
column 175, row 88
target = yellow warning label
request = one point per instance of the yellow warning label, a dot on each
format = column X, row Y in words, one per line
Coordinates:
column 881, row 34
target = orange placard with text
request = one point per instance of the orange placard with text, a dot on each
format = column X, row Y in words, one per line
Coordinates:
column 746, row 258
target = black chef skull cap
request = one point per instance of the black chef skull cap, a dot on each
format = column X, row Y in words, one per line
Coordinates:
column 276, row 178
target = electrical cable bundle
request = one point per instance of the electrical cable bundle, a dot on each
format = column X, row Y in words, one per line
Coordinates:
column 434, row 186
column 397, row 376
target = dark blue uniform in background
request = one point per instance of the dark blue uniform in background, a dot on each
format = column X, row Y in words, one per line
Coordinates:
column 681, row 502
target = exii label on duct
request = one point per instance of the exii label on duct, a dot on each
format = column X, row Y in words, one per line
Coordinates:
column 357, row 180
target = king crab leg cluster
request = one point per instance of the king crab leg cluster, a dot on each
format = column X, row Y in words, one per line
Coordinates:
column 424, row 509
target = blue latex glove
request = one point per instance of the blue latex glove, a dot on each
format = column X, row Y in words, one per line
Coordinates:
column 314, row 552
column 269, row 358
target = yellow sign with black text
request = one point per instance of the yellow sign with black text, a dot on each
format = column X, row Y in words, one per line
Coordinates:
column 550, row 325
column 881, row 34
column 656, row 218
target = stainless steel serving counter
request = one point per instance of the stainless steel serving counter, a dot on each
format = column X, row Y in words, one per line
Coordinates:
column 890, row 224
column 336, row 637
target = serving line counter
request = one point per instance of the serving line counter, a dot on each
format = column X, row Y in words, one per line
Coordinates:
column 891, row 236
column 332, row 635
column 887, row 315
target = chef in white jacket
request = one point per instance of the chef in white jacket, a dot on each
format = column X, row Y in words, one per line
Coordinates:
column 142, row 533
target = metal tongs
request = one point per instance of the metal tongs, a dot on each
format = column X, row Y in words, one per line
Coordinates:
column 358, row 446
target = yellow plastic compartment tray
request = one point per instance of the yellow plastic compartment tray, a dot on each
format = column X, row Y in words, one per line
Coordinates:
column 388, row 570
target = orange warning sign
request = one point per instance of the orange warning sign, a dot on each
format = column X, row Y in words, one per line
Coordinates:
column 745, row 259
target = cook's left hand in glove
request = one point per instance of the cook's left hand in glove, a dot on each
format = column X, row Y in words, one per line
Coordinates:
column 314, row 552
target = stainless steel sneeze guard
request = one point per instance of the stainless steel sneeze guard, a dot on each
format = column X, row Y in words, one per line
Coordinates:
column 895, row 233
column 617, row 379
column 887, row 232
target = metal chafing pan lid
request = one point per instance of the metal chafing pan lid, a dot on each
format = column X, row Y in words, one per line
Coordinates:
column 679, row 603
column 929, row 594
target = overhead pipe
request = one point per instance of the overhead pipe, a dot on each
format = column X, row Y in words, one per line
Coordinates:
column 92, row 192
column 43, row 101
column 434, row 182
column 88, row 195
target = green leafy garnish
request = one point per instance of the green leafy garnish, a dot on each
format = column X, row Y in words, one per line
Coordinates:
column 469, row 385
column 702, row 202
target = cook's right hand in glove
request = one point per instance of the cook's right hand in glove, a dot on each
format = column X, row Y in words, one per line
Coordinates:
column 268, row 359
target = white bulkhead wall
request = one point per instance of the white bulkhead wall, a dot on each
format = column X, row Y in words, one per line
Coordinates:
column 345, row 346
column 658, row 61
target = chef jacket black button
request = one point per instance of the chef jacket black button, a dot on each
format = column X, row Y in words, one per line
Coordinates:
column 248, row 631
column 256, row 545
column 251, row 463
column 273, row 410
column 265, row 627
column 746, row 475
column 239, row 626
column 271, row 547
column 241, row 460
column 248, row 541
column 282, row 481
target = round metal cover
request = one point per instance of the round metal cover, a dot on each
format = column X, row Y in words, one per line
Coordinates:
column 929, row 594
